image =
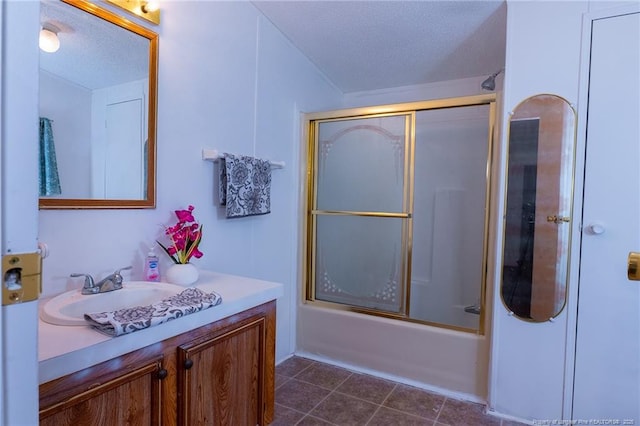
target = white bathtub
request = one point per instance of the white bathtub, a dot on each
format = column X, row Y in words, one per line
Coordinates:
column 450, row 362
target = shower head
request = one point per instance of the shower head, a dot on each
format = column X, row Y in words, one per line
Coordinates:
column 490, row 82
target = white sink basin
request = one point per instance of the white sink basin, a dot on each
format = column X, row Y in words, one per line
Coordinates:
column 69, row 308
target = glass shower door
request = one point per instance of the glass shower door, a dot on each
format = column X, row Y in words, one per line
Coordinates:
column 360, row 211
column 449, row 215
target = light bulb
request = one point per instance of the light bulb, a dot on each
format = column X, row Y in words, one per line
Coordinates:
column 150, row 6
column 48, row 41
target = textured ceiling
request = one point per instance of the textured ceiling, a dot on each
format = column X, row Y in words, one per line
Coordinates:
column 358, row 45
column 368, row 45
column 93, row 53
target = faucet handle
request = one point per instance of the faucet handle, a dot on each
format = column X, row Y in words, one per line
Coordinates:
column 88, row 279
column 117, row 278
column 123, row 269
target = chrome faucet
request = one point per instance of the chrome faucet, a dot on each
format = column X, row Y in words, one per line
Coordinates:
column 110, row 283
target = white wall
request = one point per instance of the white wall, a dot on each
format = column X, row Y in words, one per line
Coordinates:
column 227, row 80
column 69, row 106
column 531, row 363
column 420, row 92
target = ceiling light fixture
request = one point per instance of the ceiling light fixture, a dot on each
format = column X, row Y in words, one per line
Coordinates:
column 149, row 6
column 490, row 82
column 146, row 9
column 48, row 40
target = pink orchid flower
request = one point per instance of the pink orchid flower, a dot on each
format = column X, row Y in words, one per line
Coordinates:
column 185, row 236
column 185, row 215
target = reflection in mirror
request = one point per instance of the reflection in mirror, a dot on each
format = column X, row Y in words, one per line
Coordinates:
column 538, row 209
column 97, row 109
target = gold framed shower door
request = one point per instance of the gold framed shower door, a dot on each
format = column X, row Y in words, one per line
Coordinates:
column 316, row 214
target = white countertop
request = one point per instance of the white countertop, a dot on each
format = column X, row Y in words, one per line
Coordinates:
column 66, row 349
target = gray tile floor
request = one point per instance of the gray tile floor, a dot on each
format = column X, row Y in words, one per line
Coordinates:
column 313, row 393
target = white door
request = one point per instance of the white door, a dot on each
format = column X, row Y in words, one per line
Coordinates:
column 19, row 204
column 124, row 150
column 2, row 380
column 607, row 362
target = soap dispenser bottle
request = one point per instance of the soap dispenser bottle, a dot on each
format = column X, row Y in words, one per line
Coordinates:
column 151, row 266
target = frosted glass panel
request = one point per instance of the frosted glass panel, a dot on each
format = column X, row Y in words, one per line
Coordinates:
column 361, row 164
column 358, row 261
column 451, row 153
column 398, row 212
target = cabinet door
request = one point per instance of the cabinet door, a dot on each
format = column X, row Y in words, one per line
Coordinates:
column 132, row 398
column 221, row 380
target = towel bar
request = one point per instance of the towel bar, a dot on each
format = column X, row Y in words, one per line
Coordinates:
column 214, row 155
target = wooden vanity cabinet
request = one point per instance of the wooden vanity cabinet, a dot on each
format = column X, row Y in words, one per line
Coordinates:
column 221, row 380
column 222, row 373
column 125, row 390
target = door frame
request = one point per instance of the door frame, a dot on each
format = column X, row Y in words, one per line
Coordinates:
column 578, row 194
column 2, row 350
column 20, row 23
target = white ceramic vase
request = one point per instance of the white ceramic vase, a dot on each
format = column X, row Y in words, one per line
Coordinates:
column 182, row 274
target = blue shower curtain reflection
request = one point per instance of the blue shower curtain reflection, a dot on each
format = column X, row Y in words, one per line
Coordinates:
column 49, row 179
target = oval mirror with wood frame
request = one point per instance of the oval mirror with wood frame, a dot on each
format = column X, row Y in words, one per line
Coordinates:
column 538, row 211
column 97, row 110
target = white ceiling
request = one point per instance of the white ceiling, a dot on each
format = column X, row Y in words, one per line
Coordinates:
column 93, row 52
column 368, row 45
column 358, row 45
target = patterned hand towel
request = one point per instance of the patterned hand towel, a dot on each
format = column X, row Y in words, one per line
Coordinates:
column 245, row 185
column 128, row 320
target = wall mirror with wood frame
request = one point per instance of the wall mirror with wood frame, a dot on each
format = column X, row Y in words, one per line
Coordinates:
column 538, row 212
column 97, row 110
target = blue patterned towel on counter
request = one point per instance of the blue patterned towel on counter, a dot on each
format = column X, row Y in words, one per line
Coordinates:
column 127, row 320
column 245, row 185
